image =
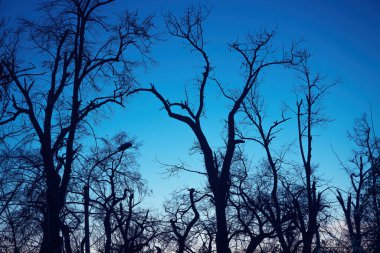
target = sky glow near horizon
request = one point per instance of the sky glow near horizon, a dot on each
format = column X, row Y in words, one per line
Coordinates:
column 342, row 36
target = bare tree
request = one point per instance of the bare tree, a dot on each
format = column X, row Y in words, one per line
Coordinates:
column 309, row 117
column 369, row 147
column 292, row 208
column 75, row 74
column 185, row 220
column 113, row 191
column 257, row 55
column 361, row 206
column 21, row 199
column 252, row 227
column 354, row 209
column 268, row 203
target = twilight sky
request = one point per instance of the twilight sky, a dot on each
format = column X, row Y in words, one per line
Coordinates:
column 342, row 35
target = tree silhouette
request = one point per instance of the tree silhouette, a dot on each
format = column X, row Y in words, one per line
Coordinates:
column 185, row 220
column 360, row 207
column 267, row 201
column 353, row 209
column 75, row 75
column 256, row 56
column 309, row 117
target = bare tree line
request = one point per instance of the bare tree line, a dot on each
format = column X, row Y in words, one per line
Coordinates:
column 59, row 195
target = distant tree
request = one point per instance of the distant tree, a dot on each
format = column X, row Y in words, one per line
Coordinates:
column 268, row 193
column 371, row 149
column 106, row 168
column 72, row 74
column 21, row 201
column 113, row 189
column 251, row 226
column 257, row 55
column 185, row 227
column 310, row 116
column 291, row 202
column 10, row 236
column 207, row 232
column 353, row 208
column 361, row 206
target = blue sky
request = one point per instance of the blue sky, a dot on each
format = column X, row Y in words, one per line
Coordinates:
column 343, row 37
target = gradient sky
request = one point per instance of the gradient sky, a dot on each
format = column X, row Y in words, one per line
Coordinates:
column 343, row 37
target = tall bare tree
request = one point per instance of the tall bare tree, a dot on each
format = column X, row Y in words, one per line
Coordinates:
column 257, row 55
column 72, row 75
column 310, row 116
column 267, row 200
column 292, row 208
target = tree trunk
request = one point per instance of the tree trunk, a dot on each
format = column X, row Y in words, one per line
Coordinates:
column 107, row 232
column 306, row 244
column 52, row 242
column 253, row 244
column 66, row 237
column 222, row 242
column 181, row 245
column 86, row 219
column 356, row 245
